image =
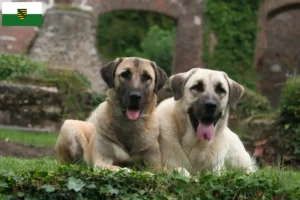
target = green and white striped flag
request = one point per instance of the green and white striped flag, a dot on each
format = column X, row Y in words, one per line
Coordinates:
column 22, row 13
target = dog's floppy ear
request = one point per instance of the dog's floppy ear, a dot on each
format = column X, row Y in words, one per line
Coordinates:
column 177, row 82
column 236, row 91
column 160, row 77
column 108, row 71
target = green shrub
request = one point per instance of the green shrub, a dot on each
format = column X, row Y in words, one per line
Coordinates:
column 158, row 45
column 77, row 182
column 284, row 135
column 66, row 80
column 288, row 128
column 251, row 104
column 14, row 66
column 290, row 99
column 235, row 25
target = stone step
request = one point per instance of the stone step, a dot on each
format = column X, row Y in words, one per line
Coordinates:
column 25, row 129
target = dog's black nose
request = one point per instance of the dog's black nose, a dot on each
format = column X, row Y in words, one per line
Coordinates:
column 135, row 96
column 210, row 105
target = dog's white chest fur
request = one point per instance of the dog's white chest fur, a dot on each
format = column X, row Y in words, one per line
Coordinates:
column 205, row 154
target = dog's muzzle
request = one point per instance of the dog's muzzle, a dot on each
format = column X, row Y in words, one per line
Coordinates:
column 132, row 105
column 204, row 115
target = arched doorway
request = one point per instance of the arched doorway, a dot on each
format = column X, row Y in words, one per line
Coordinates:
column 280, row 57
column 188, row 14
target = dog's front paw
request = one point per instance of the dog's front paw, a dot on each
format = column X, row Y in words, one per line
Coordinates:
column 124, row 169
column 183, row 171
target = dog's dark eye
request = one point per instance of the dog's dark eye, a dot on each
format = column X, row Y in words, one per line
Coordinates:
column 146, row 77
column 126, row 75
column 199, row 87
column 220, row 90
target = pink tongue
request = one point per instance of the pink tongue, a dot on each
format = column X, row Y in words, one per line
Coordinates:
column 132, row 114
column 205, row 132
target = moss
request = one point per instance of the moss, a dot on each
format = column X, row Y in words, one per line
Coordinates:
column 74, row 87
column 63, row 79
column 72, row 8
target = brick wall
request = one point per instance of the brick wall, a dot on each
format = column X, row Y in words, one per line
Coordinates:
column 15, row 40
column 278, row 46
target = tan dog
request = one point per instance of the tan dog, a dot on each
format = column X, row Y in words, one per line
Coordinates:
column 125, row 128
column 194, row 132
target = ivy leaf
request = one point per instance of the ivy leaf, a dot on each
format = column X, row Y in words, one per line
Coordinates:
column 48, row 188
column 75, row 184
column 287, row 126
column 3, row 184
column 103, row 190
column 112, row 190
column 297, row 151
column 20, row 194
column 109, row 189
column 40, row 174
column 91, row 186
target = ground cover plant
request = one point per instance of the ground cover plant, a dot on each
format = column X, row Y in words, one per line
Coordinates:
column 80, row 182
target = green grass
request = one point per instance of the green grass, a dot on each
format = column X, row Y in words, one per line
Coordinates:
column 11, row 163
column 36, row 139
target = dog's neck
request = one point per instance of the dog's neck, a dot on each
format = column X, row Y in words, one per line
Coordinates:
column 223, row 121
column 125, row 131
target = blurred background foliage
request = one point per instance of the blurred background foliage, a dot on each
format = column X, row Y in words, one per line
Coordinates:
column 152, row 36
column 136, row 33
column 234, row 23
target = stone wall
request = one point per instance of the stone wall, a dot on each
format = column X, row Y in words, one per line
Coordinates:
column 30, row 106
column 277, row 51
column 69, row 43
column 43, row 108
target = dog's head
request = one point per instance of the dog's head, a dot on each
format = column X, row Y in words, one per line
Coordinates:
column 207, row 95
column 135, row 82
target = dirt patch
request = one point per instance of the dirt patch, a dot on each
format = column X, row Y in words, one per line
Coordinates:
column 24, row 151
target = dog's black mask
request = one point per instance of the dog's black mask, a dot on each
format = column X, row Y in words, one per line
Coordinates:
column 205, row 110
